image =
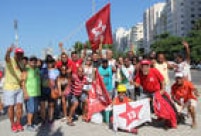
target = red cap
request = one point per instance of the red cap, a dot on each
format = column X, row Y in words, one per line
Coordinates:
column 145, row 62
column 19, row 50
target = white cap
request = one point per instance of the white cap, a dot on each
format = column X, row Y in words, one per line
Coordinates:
column 179, row 74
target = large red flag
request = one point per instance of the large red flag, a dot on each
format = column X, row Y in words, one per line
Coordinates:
column 98, row 26
column 99, row 98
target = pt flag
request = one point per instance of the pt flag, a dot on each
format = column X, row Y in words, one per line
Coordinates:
column 99, row 28
column 98, row 98
column 130, row 115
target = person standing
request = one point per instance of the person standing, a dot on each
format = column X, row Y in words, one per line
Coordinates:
column 13, row 94
column 183, row 65
column 32, row 90
column 106, row 72
column 63, row 82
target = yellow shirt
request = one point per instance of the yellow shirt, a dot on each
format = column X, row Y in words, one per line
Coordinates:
column 12, row 76
column 163, row 69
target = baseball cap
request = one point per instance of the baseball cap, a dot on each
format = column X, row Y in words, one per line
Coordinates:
column 179, row 74
column 19, row 50
column 145, row 62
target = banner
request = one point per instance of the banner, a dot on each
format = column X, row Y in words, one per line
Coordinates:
column 130, row 115
column 99, row 27
column 99, row 98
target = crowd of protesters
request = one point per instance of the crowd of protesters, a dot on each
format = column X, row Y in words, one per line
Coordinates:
column 58, row 88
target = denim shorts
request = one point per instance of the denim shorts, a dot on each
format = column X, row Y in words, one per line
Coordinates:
column 32, row 105
column 13, row 97
column 81, row 98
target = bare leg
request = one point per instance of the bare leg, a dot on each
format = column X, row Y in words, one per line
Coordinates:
column 42, row 110
column 19, row 112
column 192, row 113
column 29, row 118
column 72, row 111
column 64, row 106
column 11, row 114
column 51, row 111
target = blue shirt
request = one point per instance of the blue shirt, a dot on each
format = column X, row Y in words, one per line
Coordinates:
column 107, row 77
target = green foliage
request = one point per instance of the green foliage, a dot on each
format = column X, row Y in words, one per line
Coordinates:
column 171, row 44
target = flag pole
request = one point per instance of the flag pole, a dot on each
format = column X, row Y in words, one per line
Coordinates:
column 16, row 33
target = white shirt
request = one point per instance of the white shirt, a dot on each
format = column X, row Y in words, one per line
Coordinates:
column 184, row 67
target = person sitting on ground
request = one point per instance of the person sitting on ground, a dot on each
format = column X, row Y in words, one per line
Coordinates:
column 121, row 98
column 184, row 94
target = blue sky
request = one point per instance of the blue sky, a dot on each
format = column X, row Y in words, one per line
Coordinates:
column 44, row 23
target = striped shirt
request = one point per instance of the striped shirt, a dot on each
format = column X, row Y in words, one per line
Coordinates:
column 77, row 84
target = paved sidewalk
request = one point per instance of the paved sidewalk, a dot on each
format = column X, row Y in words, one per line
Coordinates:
column 89, row 129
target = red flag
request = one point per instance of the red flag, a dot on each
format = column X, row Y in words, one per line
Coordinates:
column 98, row 97
column 98, row 26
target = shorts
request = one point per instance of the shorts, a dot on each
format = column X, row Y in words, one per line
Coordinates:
column 190, row 102
column 32, row 105
column 131, row 93
column 82, row 98
column 87, row 87
column 144, row 95
column 46, row 95
column 13, row 97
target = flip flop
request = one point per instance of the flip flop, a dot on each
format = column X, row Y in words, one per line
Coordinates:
column 71, row 124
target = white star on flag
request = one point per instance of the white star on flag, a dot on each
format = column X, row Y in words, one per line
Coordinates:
column 99, row 30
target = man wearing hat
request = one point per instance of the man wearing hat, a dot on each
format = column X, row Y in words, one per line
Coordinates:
column 150, row 79
column 13, row 94
column 184, row 94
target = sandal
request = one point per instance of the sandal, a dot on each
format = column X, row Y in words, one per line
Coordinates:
column 63, row 119
column 70, row 122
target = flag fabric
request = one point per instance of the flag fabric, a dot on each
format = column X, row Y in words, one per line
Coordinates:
column 99, row 27
column 130, row 115
column 98, row 98
column 164, row 108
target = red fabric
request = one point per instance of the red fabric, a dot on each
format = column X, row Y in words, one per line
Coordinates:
column 77, row 84
column 185, row 91
column 74, row 65
column 99, row 98
column 59, row 64
column 1, row 74
column 99, row 26
column 150, row 82
column 164, row 110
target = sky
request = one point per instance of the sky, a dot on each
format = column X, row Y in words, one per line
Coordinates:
column 45, row 23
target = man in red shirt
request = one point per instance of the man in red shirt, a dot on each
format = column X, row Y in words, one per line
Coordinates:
column 63, row 61
column 184, row 94
column 150, row 79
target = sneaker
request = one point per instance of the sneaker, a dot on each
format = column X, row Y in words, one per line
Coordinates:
column 14, row 128
column 31, row 128
column 19, row 127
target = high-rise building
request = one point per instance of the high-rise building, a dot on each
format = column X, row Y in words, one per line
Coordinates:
column 182, row 15
column 137, row 35
column 154, row 22
column 122, row 39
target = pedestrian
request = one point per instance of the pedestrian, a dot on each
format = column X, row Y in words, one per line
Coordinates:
column 184, row 94
column 13, row 94
column 127, row 75
column 106, row 72
column 89, row 72
column 63, row 83
column 183, row 65
column 32, row 91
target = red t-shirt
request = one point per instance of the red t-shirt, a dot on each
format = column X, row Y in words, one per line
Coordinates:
column 150, row 82
column 59, row 64
column 185, row 91
column 74, row 65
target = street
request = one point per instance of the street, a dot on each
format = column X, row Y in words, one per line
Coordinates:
column 89, row 129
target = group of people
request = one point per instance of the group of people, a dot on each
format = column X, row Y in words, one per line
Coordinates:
column 64, row 83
